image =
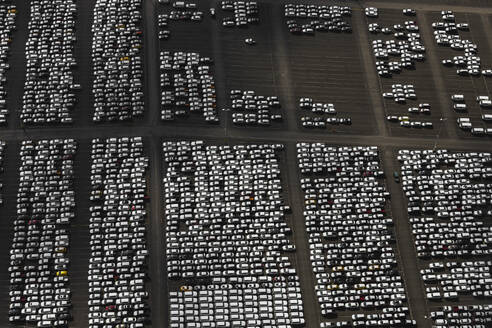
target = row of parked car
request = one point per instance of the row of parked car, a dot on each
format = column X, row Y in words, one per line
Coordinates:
column 118, row 260
column 261, row 303
column 405, row 44
column 321, row 18
column 350, row 236
column 187, row 86
column 233, row 255
column 448, row 200
column 49, row 88
column 401, row 92
column 447, row 34
column 454, row 279
column 245, row 13
column 322, row 122
column 39, row 265
column 117, row 60
column 248, row 108
column 8, row 12
column 3, row 145
column 476, row 316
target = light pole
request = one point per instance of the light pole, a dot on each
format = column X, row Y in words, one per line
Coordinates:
column 442, row 119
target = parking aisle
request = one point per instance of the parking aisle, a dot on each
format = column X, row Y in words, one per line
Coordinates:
column 7, row 215
column 17, row 62
column 303, row 263
column 406, row 254
column 80, row 249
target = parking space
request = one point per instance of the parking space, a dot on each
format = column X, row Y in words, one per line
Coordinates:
column 49, row 89
column 117, row 61
column 8, row 14
column 263, row 223
column 448, row 208
column 9, row 179
column 475, row 314
column 117, row 265
column 186, row 36
column 326, row 76
column 350, row 232
column 234, row 256
column 39, row 263
column 418, row 75
column 470, row 86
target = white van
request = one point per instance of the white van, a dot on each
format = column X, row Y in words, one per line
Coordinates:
column 459, row 106
column 458, row 97
column 478, row 131
column 485, row 103
column 465, row 125
column 479, row 98
column 487, row 117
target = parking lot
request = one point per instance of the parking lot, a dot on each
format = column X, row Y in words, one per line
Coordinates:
column 271, row 260
column 469, row 86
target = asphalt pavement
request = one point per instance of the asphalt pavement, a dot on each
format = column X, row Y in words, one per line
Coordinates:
column 334, row 67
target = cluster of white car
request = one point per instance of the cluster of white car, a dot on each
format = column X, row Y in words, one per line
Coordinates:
column 372, row 12
column 2, row 151
column 476, row 316
column 455, row 279
column 317, row 107
column 406, row 44
column 465, row 123
column 400, row 93
column 245, row 12
column 321, row 122
column 39, row 280
column 251, row 109
column 187, row 86
column 405, row 121
column 162, row 23
column 322, row 18
column 447, row 193
column 50, row 58
column 447, row 34
column 350, row 234
column 8, row 13
column 320, row 109
column 117, row 60
column 234, row 249
column 117, row 264
column 183, row 11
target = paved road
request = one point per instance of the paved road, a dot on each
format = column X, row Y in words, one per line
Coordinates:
column 372, row 80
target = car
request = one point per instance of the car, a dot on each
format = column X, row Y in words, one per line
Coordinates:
column 250, row 41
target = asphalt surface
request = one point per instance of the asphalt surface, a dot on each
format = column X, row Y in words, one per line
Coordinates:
column 337, row 68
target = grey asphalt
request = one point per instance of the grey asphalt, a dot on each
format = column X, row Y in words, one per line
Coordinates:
column 292, row 67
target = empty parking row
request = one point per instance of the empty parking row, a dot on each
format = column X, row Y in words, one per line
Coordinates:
column 118, row 260
column 39, row 265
